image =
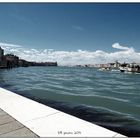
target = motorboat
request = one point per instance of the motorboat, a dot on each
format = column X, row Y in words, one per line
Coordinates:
column 105, row 69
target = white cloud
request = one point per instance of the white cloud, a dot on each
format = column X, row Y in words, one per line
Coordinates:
column 118, row 46
column 8, row 45
column 125, row 54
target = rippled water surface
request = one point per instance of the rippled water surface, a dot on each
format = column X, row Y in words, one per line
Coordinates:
column 109, row 99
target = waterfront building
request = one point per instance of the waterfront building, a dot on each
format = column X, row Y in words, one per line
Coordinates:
column 124, row 64
column 1, row 52
column 23, row 63
column 104, row 65
column 12, row 60
column 116, row 64
column 3, row 62
column 2, row 59
column 42, row 63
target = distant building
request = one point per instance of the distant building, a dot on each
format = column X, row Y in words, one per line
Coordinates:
column 3, row 63
column 117, row 64
column 23, row 63
column 1, row 52
column 12, row 60
column 42, row 63
column 124, row 64
column 104, row 65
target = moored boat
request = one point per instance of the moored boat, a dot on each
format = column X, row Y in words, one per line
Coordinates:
column 133, row 68
column 105, row 69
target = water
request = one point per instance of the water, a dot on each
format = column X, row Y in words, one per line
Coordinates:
column 109, row 99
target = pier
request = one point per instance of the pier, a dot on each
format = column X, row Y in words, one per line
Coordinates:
column 23, row 117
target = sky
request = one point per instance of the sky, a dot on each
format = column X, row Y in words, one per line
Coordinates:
column 71, row 33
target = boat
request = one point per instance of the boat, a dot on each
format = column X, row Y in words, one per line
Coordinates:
column 105, row 69
column 130, row 68
column 123, row 69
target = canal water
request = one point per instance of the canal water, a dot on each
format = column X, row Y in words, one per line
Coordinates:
column 108, row 98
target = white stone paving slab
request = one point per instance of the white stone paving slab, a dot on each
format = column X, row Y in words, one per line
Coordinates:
column 64, row 125
column 46, row 121
column 23, row 109
column 119, row 136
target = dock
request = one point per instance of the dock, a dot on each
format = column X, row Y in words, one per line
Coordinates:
column 22, row 118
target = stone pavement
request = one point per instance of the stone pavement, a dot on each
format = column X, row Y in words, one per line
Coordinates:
column 9, row 127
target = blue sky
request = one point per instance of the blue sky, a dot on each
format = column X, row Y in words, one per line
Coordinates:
column 70, row 27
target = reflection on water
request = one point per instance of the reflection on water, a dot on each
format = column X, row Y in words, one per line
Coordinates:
column 110, row 99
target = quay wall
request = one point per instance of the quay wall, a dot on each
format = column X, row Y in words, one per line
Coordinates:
column 48, row 122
